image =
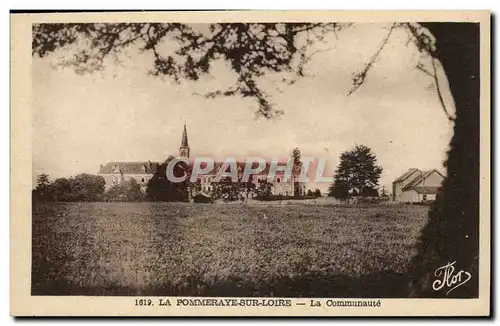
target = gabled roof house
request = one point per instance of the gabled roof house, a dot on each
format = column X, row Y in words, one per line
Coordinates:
column 417, row 186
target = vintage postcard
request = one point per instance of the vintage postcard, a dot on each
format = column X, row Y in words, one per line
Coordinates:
column 245, row 163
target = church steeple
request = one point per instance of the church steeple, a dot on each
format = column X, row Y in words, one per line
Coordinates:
column 184, row 149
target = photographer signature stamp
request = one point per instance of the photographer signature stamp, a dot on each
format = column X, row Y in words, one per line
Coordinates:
column 448, row 279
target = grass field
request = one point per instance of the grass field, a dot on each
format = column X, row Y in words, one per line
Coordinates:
column 230, row 250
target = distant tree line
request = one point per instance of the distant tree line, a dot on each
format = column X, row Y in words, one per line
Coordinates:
column 357, row 175
column 84, row 187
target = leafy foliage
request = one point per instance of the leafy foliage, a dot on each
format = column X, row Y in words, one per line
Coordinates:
column 160, row 188
column 232, row 191
column 43, row 190
column 42, row 181
column 89, row 187
column 83, row 187
column 250, row 50
column 339, row 190
column 357, row 174
column 298, row 190
column 227, row 189
column 128, row 190
column 264, row 189
column 297, row 164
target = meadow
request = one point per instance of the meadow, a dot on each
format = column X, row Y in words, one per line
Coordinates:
column 291, row 250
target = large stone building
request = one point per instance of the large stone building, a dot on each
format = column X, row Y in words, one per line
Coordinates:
column 206, row 186
column 279, row 184
column 115, row 173
column 416, row 186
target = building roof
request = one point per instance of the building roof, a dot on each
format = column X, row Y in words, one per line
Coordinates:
column 406, row 175
column 202, row 197
column 202, row 194
column 419, row 179
column 129, row 168
column 427, row 190
column 151, row 167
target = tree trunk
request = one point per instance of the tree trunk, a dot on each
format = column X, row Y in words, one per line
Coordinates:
column 452, row 232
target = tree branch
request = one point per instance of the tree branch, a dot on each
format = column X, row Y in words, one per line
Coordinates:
column 441, row 100
column 427, row 72
column 359, row 78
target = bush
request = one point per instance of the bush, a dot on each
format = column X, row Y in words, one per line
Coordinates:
column 126, row 191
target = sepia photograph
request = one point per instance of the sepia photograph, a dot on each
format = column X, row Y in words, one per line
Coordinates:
column 247, row 163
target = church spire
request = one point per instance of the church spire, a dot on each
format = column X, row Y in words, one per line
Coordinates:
column 184, row 149
column 184, row 142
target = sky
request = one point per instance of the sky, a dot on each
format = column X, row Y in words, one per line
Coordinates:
column 124, row 114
